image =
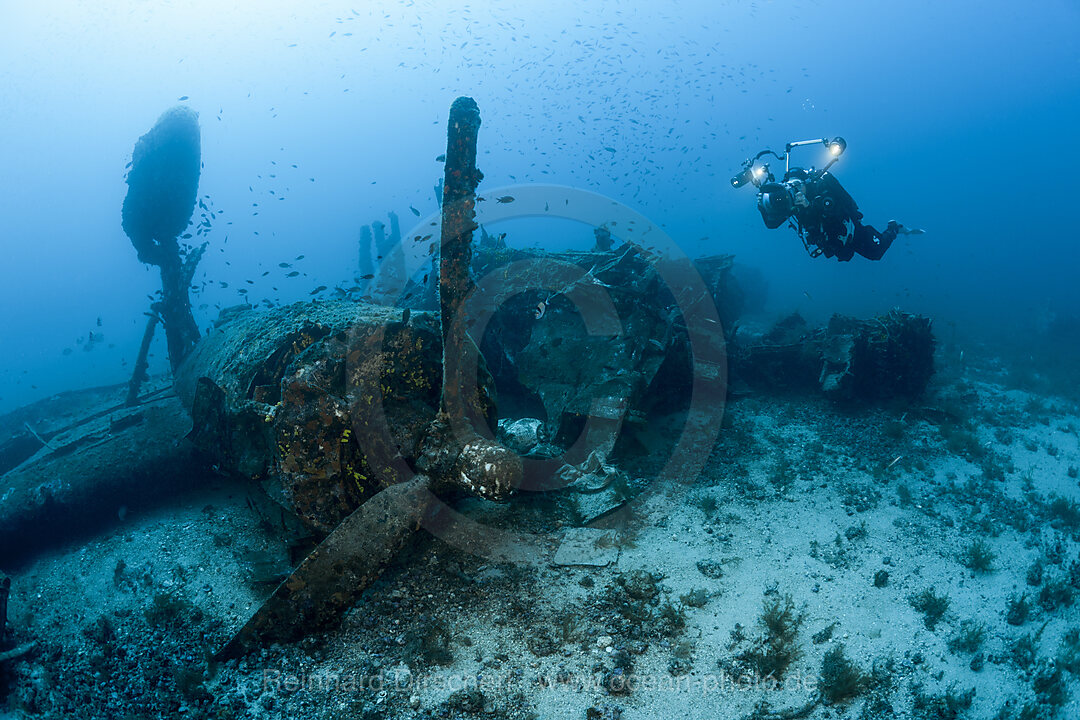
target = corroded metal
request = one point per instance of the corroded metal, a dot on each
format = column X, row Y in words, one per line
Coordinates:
column 481, row 466
column 329, row 579
column 455, row 253
column 93, row 454
column 324, row 404
column 162, row 186
column 138, row 375
column 890, row 356
column 383, row 378
column 5, row 590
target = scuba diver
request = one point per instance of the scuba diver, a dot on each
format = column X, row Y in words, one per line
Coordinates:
column 821, row 211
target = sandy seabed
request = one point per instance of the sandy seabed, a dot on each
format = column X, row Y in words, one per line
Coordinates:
column 936, row 545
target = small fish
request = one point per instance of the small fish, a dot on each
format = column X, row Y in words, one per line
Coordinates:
column 284, row 265
column 318, row 290
column 807, row 294
column 541, row 308
column 505, row 199
column 182, row 98
column 898, row 459
column 299, row 257
column 367, row 277
column 441, row 158
column 294, row 273
column 414, row 211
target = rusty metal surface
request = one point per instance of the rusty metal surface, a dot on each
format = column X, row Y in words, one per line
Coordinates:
column 324, row 404
column 481, row 467
column 162, row 188
column 93, row 466
column 377, row 374
column 458, row 222
column 237, row 353
column 850, row 359
column 335, row 573
column 455, row 257
column 5, row 590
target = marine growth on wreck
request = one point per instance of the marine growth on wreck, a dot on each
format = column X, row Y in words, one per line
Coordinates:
column 451, row 376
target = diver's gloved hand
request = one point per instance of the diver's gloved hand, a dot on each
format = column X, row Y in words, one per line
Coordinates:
column 900, row 229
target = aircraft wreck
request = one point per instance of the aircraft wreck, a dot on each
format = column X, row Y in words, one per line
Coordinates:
column 355, row 417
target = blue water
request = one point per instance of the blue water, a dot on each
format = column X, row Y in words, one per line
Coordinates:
column 960, row 119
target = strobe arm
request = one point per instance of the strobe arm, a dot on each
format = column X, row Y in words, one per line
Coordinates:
column 749, row 174
column 836, row 145
column 757, row 175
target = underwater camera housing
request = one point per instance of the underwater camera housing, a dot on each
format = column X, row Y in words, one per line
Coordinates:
column 778, row 200
column 776, row 203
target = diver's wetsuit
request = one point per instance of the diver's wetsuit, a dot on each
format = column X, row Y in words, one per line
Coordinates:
column 825, row 220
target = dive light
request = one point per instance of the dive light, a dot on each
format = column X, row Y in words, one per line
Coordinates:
column 750, row 174
column 757, row 175
column 747, row 175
